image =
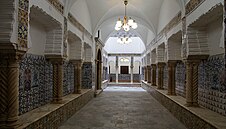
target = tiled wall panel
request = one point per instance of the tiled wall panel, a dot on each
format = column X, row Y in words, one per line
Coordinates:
column 68, row 82
column 180, row 79
column 212, row 84
column 165, row 77
column 87, row 75
column 35, row 82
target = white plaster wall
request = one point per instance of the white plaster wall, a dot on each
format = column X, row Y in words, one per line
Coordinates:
column 150, row 37
column 153, row 57
column 75, row 49
column 112, row 67
column 161, row 54
column 215, row 35
column 112, row 46
column 124, row 64
column 148, row 59
column 111, row 63
column 136, row 67
column 169, row 9
column 74, row 30
column 14, row 33
column 37, row 38
column 87, row 54
column 81, row 12
column 174, row 50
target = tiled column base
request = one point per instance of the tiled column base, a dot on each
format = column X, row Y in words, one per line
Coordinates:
column 51, row 116
column 191, row 117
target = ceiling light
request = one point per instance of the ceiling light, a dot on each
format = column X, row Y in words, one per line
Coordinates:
column 124, row 60
column 124, row 40
column 126, row 23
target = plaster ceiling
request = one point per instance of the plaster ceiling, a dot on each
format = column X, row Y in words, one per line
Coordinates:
column 104, row 14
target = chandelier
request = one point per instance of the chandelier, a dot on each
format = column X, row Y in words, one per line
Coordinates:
column 126, row 23
column 124, row 40
column 124, row 59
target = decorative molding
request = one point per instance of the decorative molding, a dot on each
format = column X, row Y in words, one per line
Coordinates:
column 58, row 6
column 78, row 25
column 174, row 22
column 192, row 5
column 65, row 39
column 23, row 17
column 124, row 54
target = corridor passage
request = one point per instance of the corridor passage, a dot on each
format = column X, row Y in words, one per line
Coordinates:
column 123, row 108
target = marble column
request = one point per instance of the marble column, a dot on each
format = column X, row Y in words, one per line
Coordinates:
column 145, row 73
column 171, row 77
column 57, row 62
column 131, row 73
column 100, row 75
column 78, row 76
column 192, row 82
column 149, row 74
column 160, row 75
column 117, row 69
column 131, row 69
column 153, row 74
column 117, row 72
column 9, row 87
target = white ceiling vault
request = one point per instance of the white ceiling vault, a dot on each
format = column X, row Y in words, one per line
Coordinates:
column 102, row 15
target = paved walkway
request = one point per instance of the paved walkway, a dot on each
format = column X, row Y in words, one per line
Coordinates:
column 123, row 108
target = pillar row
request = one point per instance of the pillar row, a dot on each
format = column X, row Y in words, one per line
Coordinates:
column 160, row 74
column 153, row 74
column 9, row 87
column 171, row 77
column 78, row 76
column 192, row 83
column 149, row 74
column 131, row 72
column 145, row 73
column 57, row 63
column 192, row 64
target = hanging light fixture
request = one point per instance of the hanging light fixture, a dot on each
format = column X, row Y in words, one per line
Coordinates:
column 124, row 59
column 126, row 23
column 124, row 40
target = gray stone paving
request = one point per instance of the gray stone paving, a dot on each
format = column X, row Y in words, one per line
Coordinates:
column 123, row 108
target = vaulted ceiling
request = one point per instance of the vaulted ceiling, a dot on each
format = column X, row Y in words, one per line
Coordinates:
column 102, row 15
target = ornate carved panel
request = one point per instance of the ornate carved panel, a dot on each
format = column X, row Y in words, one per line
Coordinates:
column 23, row 23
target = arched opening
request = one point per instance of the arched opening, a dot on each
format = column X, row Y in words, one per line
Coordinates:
column 98, row 70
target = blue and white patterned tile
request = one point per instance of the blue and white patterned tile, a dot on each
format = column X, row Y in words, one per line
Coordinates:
column 165, row 77
column 180, row 79
column 212, row 84
column 34, row 78
column 87, row 76
column 68, row 81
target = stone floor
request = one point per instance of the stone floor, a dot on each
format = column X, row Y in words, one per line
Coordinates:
column 123, row 108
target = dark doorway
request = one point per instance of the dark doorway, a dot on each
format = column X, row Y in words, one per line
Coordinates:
column 124, row 70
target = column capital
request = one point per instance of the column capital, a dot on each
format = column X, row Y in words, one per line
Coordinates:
column 161, row 64
column 9, row 78
column 55, row 59
column 9, row 51
column 79, row 61
column 172, row 63
column 87, row 62
column 153, row 65
column 196, row 57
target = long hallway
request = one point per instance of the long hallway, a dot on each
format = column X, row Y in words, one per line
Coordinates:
column 123, row 108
